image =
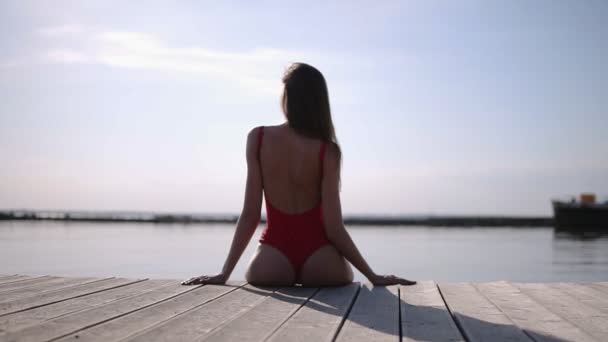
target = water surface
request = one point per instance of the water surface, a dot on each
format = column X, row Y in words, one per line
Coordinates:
column 180, row 251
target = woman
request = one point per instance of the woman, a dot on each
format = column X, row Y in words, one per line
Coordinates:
column 297, row 167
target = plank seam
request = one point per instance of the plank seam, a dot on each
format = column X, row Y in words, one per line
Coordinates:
column 278, row 326
column 46, row 291
column 63, row 300
column 116, row 299
column 222, row 324
column 594, row 294
column 585, row 331
column 400, row 318
column 18, row 280
column 346, row 314
column 453, row 315
column 157, row 324
column 599, row 287
column 121, row 315
column 532, row 299
column 504, row 313
column 49, row 281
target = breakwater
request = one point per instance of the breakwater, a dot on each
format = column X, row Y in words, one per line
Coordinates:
column 438, row 221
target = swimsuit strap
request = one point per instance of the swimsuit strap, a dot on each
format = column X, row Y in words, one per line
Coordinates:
column 321, row 158
column 260, row 136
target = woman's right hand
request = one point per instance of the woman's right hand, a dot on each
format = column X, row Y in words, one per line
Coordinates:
column 218, row 279
column 385, row 280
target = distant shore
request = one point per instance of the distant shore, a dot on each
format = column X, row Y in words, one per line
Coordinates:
column 437, row 221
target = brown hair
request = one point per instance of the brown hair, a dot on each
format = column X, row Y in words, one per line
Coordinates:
column 305, row 103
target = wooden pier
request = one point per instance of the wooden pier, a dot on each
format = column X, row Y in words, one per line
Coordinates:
column 47, row 308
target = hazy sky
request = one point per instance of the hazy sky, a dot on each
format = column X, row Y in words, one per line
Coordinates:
column 441, row 107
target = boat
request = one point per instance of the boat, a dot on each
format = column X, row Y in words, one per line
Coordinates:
column 585, row 213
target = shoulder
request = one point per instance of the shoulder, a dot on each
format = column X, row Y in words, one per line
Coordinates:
column 253, row 140
column 254, row 132
column 254, row 136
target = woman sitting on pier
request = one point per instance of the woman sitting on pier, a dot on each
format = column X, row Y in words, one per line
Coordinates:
column 296, row 165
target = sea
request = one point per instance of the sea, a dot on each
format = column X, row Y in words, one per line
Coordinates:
column 180, row 251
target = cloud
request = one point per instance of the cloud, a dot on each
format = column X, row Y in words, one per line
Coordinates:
column 255, row 68
column 258, row 70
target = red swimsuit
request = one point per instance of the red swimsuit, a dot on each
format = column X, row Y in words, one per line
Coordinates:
column 295, row 235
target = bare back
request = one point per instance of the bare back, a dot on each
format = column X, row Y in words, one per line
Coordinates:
column 290, row 168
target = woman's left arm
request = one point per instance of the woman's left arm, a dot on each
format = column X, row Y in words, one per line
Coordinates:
column 249, row 219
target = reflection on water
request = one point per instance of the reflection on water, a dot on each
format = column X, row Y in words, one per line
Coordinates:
column 180, row 251
column 580, row 234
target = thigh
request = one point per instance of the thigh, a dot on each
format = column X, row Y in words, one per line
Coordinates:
column 326, row 267
column 269, row 266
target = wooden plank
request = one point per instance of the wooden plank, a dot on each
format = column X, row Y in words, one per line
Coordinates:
column 600, row 286
column 122, row 327
column 374, row 316
column 591, row 320
column 263, row 319
column 477, row 317
column 46, row 287
column 585, row 294
column 14, row 278
column 59, row 295
column 424, row 315
column 537, row 321
column 42, row 285
column 66, row 325
column 52, row 305
column 20, row 284
column 321, row 317
column 202, row 321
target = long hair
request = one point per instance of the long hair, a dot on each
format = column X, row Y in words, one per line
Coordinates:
column 305, row 103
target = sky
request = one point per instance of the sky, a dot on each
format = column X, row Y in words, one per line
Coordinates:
column 440, row 107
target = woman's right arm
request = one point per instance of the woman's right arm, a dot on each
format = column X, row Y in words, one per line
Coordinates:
column 248, row 220
column 334, row 226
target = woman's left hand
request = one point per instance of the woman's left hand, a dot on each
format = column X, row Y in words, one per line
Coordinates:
column 384, row 280
column 218, row 279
